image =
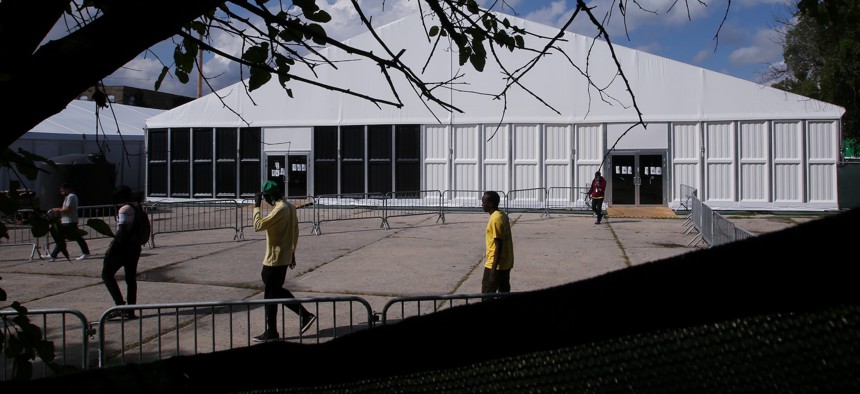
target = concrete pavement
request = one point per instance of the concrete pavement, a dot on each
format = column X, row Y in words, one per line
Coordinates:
column 416, row 256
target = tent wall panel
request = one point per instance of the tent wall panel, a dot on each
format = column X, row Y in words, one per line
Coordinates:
column 466, row 158
column 754, row 161
column 719, row 162
column 435, row 166
column 527, row 157
column 788, row 161
column 557, row 160
column 685, row 149
column 495, row 165
column 589, row 152
column 823, row 154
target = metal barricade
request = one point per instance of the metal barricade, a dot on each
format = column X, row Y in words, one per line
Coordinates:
column 304, row 211
column 19, row 231
column 423, row 202
column 333, row 207
column 467, row 201
column 426, row 304
column 527, row 200
column 566, row 200
column 161, row 331
column 172, row 217
column 66, row 328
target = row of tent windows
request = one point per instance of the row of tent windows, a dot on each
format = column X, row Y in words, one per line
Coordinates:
column 226, row 162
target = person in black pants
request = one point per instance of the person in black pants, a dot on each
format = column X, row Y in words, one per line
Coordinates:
column 282, row 235
column 123, row 252
column 596, row 192
column 68, row 223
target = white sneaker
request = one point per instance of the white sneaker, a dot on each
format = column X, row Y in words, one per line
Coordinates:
column 83, row 257
column 49, row 257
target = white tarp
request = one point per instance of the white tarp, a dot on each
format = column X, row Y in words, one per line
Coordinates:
column 78, row 121
column 665, row 90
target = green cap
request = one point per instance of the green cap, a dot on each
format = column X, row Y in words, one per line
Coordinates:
column 270, row 187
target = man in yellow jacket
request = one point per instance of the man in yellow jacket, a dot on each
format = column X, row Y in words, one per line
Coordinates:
column 282, row 236
column 499, row 247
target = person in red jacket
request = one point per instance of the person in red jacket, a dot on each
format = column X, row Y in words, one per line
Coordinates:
column 598, row 188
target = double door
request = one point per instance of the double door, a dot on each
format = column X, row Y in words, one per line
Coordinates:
column 638, row 178
column 290, row 172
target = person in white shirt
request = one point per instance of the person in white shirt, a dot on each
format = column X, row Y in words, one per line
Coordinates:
column 69, row 223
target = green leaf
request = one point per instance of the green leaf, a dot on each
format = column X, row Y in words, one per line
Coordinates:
column 521, row 43
column 257, row 54
column 181, row 75
column 478, row 61
column 9, row 206
column 319, row 16
column 258, row 78
column 316, row 33
column 39, row 226
column 434, row 31
column 101, row 227
column 161, row 76
column 472, row 6
column 3, row 296
column 464, row 55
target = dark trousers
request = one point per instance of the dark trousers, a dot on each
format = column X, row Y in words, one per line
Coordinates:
column 71, row 228
column 496, row 281
column 121, row 255
column 273, row 281
column 597, row 207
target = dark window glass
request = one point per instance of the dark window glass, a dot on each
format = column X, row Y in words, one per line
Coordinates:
column 157, row 144
column 352, row 142
column 249, row 179
column 352, row 161
column 225, row 179
column 225, row 144
column 203, row 144
column 180, row 144
column 180, row 179
column 249, row 146
column 407, row 156
column 203, row 179
column 379, row 159
column 157, row 181
column 325, row 160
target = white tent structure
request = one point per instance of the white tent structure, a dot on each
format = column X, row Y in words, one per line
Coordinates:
column 740, row 144
column 117, row 133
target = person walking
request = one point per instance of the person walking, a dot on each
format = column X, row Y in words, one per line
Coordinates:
column 282, row 235
column 596, row 192
column 68, row 224
column 499, row 256
column 123, row 252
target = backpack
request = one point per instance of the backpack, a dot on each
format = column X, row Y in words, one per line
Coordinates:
column 140, row 227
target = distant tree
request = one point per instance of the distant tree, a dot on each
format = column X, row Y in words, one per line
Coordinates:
column 822, row 57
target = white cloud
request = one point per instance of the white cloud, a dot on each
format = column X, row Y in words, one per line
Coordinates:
column 764, row 49
column 702, row 56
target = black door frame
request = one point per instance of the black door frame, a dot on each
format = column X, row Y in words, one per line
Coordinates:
column 636, row 172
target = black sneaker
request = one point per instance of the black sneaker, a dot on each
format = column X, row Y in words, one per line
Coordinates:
column 121, row 315
column 307, row 322
column 266, row 337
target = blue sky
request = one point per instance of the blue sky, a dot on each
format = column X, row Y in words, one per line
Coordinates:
column 748, row 41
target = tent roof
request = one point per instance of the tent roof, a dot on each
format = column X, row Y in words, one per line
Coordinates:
column 665, row 90
column 78, row 120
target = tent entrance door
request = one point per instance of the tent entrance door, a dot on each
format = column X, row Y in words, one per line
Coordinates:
column 290, row 172
column 637, row 178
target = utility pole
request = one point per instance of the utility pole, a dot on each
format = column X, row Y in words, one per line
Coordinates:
column 200, row 69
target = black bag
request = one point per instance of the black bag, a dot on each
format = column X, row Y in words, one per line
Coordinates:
column 140, row 228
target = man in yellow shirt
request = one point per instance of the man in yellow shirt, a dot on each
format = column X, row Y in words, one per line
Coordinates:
column 282, row 236
column 500, row 247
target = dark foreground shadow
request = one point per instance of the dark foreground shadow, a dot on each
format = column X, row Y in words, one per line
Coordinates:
column 774, row 313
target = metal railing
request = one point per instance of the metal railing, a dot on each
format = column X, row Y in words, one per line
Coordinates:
column 20, row 232
column 173, row 217
column 405, row 307
column 305, row 210
column 711, row 227
column 160, row 331
column 334, row 207
column 67, row 329
column 409, row 203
